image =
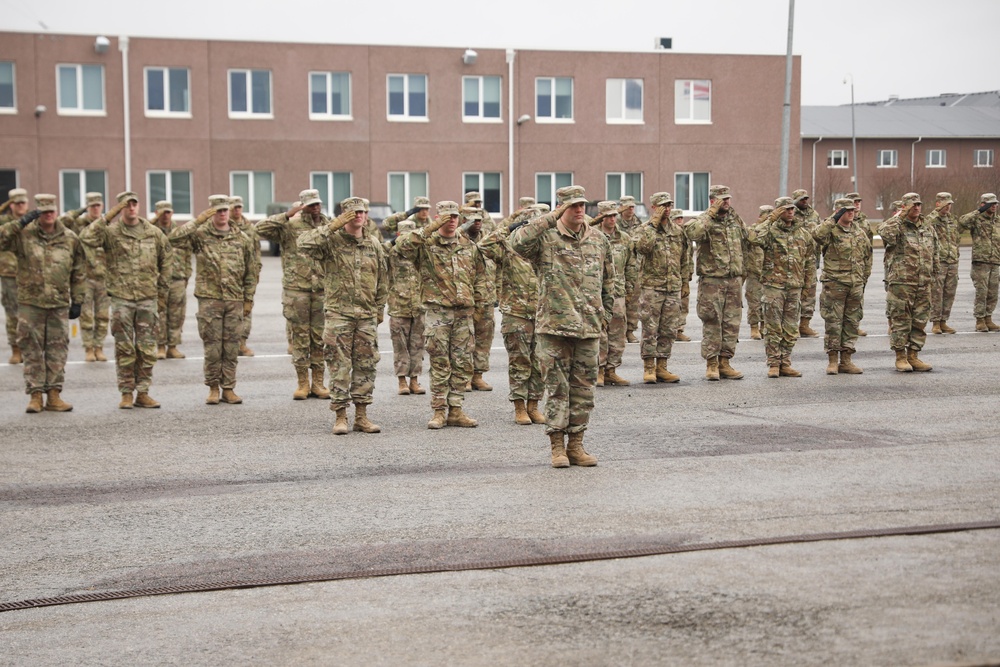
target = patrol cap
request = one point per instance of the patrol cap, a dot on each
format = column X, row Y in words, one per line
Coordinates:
column 573, row 194
column 471, row 213
column 853, row 196
column 18, row 195
column 988, row 198
column 94, row 198
column 219, row 202
column 235, row 201
column 421, row 202
column 719, row 192
column 799, row 195
column 897, row 204
column 525, row 202
column 406, row 226
column 911, row 198
column 353, row 205
column 541, row 207
column 844, row 202
column 766, row 208
column 472, row 196
column 46, row 203
column 367, row 203
column 661, row 199
column 447, row 208
column 127, row 196
column 607, row 208
column 676, row 213
column 783, row 203
column 308, row 198
column 164, row 205
column 626, row 201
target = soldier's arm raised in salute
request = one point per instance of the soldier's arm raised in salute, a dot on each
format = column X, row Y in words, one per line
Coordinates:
column 186, row 235
column 527, row 241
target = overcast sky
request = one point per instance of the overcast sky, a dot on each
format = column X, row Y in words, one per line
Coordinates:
column 910, row 48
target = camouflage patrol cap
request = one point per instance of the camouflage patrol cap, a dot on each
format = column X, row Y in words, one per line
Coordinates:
column 988, row 198
column 844, row 202
column 626, row 201
column 607, row 208
column 309, row 197
column 661, row 199
column 766, row 208
column 421, row 202
column 572, row 194
column 235, row 201
column 541, row 207
column 94, row 198
column 853, row 196
column 799, row 195
column 897, row 204
column 18, row 195
column 367, row 204
column 782, row 203
column 525, row 202
column 472, row 197
column 944, row 197
column 911, row 198
column 447, row 208
column 471, row 213
column 353, row 205
column 164, row 205
column 406, row 226
column 46, row 203
column 676, row 213
column 719, row 192
column 218, row 202
column 127, row 196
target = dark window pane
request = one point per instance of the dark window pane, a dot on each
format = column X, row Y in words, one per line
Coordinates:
column 238, row 91
column 154, row 88
column 261, row 91
column 179, row 100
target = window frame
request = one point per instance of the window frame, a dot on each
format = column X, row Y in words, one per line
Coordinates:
column 405, row 117
column 894, row 162
column 84, row 186
column 690, row 194
column 165, row 113
column 250, row 114
column 329, row 197
column 623, row 179
column 842, row 153
column 553, row 97
column 408, row 194
column 690, row 120
column 79, row 110
column 11, row 110
column 554, row 186
column 944, row 158
column 977, row 163
column 169, row 173
column 481, row 187
column 482, row 83
column 349, row 116
column 250, row 201
column 622, row 120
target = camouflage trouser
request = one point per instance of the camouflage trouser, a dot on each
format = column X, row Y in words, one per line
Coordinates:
column 484, row 324
column 8, row 295
column 448, row 337
column 720, row 306
column 43, row 336
column 685, row 304
column 808, row 299
column 407, row 335
column 752, row 290
column 781, row 321
column 943, row 293
column 632, row 310
column 133, row 326
column 986, row 278
column 305, row 322
column 172, row 313
column 569, row 371
column 245, row 327
column 522, row 359
column 613, row 335
column 907, row 307
column 842, row 307
column 95, row 313
column 660, row 313
column 351, row 346
column 219, row 325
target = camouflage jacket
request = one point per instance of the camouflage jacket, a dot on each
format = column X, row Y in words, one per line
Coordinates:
column 51, row 268
column 754, row 257
column 862, row 220
column 847, row 253
column 404, row 284
column 97, row 264
column 227, row 267
column 249, row 228
column 911, row 251
column 299, row 271
column 721, row 242
column 626, row 263
column 666, row 257
column 355, row 276
column 139, row 257
column 392, row 222
column 985, row 229
column 488, row 287
column 180, row 267
column 629, row 226
column 8, row 260
column 788, row 248
column 948, row 233
column 576, row 276
column 518, row 282
column 452, row 271
column 810, row 220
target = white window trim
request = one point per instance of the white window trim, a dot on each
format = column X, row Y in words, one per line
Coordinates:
column 988, row 151
column 79, row 91
column 11, row 111
column 249, row 115
column 887, row 166
column 406, row 117
column 166, row 113
column 622, row 174
column 692, row 121
column 349, row 116
column 553, row 120
column 83, row 185
column 407, row 195
column 829, row 156
column 944, row 159
column 626, row 121
column 329, row 174
column 480, row 118
column 555, row 199
column 482, row 177
column 691, row 212
column 250, row 204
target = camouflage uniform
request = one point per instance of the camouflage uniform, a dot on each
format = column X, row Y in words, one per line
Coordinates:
column 138, row 263
column 847, row 264
column 406, row 312
column 946, row 282
column 809, row 219
column 173, row 310
column 862, row 221
column 985, row 229
column 483, row 319
column 226, row 279
column 8, row 288
column 392, row 222
column 96, row 307
column 613, row 334
column 355, row 290
column 246, row 226
column 51, row 270
column 630, row 226
column 753, row 290
column 666, row 261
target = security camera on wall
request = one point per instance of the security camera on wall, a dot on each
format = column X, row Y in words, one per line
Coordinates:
column 39, row 110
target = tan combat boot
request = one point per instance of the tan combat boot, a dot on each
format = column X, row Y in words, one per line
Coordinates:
column 612, row 378
column 947, row 329
column 662, row 374
column 833, row 363
column 229, row 396
column 361, row 422
column 174, row 353
column 99, row 354
column 556, row 441
column 916, row 363
column 520, row 414
column 213, row 395
column 755, row 331
column 316, row 389
column 35, row 403
column 340, row 426
column 438, row 420
column 415, row 387
column 15, row 355
column 144, row 400
column 600, row 376
column 479, row 384
column 244, row 350
column 536, row 416
column 301, row 392
column 786, row 370
column 991, row 325
column 458, row 418
column 848, row 366
column 649, row 370
column 728, row 372
column 936, row 329
column 862, row 332
column 161, row 351
column 805, row 331
column 630, row 337
column 54, row 402
column 126, row 402
column 902, row 364
column 575, row 452
column 89, row 355
column 981, row 325
column 404, row 389
column 712, row 369
column 774, row 371
column 682, row 337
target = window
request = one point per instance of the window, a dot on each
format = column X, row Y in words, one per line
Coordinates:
column 330, row 96
column 888, row 159
column 8, row 180
column 624, row 100
column 984, row 157
column 81, row 89
column 836, row 159
column 74, row 184
column 334, row 187
column 936, row 158
column 622, row 184
column 691, row 190
column 256, row 188
column 480, row 98
column 8, row 99
column 250, row 93
column 546, row 185
column 168, row 92
column 554, row 100
column 487, row 184
column 692, row 101
column 879, row 201
column 174, row 186
column 407, row 98
column 404, row 186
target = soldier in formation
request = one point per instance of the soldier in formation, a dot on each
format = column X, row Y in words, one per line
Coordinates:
column 626, row 271
column 629, row 222
column 173, row 308
column 484, row 325
column 752, row 287
column 419, row 215
column 984, row 225
column 946, row 282
column 95, row 316
column 11, row 210
column 862, row 221
column 406, row 316
column 809, row 218
column 249, row 228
